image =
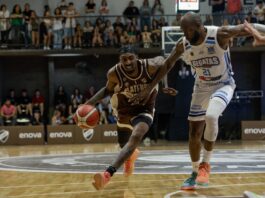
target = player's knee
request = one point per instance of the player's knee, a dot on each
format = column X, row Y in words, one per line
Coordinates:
column 195, row 135
column 211, row 129
column 211, row 118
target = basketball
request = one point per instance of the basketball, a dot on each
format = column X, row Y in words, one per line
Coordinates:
column 86, row 116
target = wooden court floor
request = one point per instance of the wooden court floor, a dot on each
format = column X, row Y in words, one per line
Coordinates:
column 17, row 183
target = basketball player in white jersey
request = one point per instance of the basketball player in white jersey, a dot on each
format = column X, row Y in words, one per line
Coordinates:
column 206, row 49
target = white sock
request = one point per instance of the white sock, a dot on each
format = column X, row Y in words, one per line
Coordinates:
column 195, row 166
column 206, row 156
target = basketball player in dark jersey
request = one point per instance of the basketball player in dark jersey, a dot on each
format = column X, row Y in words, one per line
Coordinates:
column 127, row 78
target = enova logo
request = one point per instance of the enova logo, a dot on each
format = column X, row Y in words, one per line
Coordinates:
column 30, row 135
column 61, row 134
column 254, row 131
column 110, row 133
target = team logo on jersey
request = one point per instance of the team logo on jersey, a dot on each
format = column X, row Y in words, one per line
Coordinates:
column 206, row 62
column 211, row 50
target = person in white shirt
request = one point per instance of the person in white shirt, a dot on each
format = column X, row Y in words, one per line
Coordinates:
column 57, row 29
column 4, row 25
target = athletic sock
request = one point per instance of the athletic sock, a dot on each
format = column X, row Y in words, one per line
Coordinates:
column 195, row 166
column 111, row 170
column 206, row 155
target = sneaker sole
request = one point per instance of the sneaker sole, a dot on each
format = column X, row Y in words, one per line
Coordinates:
column 188, row 188
column 98, row 182
column 202, row 184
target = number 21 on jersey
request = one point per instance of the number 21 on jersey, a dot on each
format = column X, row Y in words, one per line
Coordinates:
column 206, row 72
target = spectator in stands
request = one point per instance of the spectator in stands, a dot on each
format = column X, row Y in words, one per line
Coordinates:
column 176, row 21
column 38, row 103
column 108, row 34
column 156, row 33
column 118, row 23
column 27, row 27
column 103, row 107
column 103, row 9
column 132, row 33
column 131, row 12
column 60, row 100
column 87, row 34
column 90, row 92
column 37, row 119
column 97, row 39
column 162, row 22
column 63, row 6
column 72, row 109
column 234, row 11
column 145, row 14
column 58, row 118
column 146, row 37
column 125, row 38
column 117, row 36
column 91, row 10
column 259, row 11
column 250, row 18
column 77, row 96
column 208, row 20
column 46, row 30
column 78, row 36
column 12, row 97
column 24, row 108
column 70, row 25
column 35, row 27
column 218, row 9
column 157, row 10
column 16, row 24
column 57, row 29
column 4, row 25
column 8, row 113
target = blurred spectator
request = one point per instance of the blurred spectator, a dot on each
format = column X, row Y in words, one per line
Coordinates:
column 57, row 29
column 145, row 14
column 77, row 96
column 37, row 119
column 108, row 34
column 176, row 21
column 87, row 33
column 58, row 118
column 78, row 36
column 71, row 110
column 90, row 92
column 156, row 33
column 91, row 10
column 63, row 6
column 132, row 33
column 24, row 108
column 97, row 39
column 117, row 36
column 131, row 12
column 234, row 10
column 218, row 8
column 118, row 23
column 46, row 30
column 103, row 108
column 250, row 18
column 27, row 26
column 208, row 20
column 35, row 24
column 16, row 25
column 103, row 9
column 146, row 37
column 157, row 9
column 125, row 38
column 8, row 113
column 70, row 25
column 38, row 103
column 162, row 22
column 4, row 25
column 12, row 97
column 60, row 100
column 259, row 11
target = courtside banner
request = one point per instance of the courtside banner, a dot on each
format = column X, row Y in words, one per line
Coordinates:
column 21, row 135
column 253, row 130
column 87, row 136
column 61, row 134
column 109, row 133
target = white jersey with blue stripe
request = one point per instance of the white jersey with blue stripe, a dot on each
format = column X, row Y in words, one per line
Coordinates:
column 211, row 63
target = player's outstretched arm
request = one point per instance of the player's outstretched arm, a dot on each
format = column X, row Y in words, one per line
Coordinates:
column 259, row 39
column 106, row 90
column 161, row 71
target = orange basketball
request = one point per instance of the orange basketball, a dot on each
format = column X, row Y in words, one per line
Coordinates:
column 86, row 116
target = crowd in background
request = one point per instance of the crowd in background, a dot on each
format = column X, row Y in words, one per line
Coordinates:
column 64, row 28
column 26, row 110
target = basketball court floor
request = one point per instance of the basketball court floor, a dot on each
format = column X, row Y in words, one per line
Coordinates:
column 66, row 171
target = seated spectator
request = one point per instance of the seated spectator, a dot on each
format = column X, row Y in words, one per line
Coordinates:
column 162, row 22
column 259, row 11
column 12, row 97
column 35, row 26
column 117, row 36
column 108, row 34
column 4, row 15
column 97, row 39
column 37, row 119
column 118, row 23
column 156, row 33
column 60, row 100
column 125, row 38
column 24, row 108
column 176, row 21
column 57, row 27
column 131, row 12
column 89, row 93
column 250, row 18
column 8, row 113
column 71, row 110
column 132, row 33
column 87, row 34
column 208, row 20
column 77, row 96
column 57, row 118
column 78, row 36
column 38, row 103
column 103, row 9
column 146, row 37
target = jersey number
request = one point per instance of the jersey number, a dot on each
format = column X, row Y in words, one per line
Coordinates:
column 206, row 72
